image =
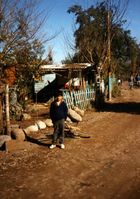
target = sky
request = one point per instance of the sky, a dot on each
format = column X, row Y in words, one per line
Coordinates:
column 60, row 21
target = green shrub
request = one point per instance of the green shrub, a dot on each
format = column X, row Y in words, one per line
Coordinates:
column 15, row 111
column 116, row 90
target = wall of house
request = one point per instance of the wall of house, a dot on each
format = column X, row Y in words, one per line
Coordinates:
column 47, row 79
column 50, row 83
column 46, row 88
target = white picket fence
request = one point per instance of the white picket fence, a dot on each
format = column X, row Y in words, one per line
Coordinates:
column 80, row 98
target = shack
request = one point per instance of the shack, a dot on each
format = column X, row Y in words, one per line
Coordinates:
column 71, row 79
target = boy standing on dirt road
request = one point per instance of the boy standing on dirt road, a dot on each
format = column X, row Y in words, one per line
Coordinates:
column 58, row 114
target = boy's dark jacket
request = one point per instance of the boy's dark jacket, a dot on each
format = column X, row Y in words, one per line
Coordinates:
column 58, row 112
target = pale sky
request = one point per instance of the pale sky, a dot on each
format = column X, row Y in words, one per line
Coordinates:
column 60, row 19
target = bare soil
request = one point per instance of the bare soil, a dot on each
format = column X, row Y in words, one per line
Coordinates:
column 104, row 166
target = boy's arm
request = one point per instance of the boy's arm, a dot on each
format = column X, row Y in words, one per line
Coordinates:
column 65, row 110
column 51, row 111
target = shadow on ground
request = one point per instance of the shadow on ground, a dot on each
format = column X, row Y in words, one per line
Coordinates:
column 37, row 141
column 42, row 141
column 128, row 107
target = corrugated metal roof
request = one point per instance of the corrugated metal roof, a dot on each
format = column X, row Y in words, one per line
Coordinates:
column 65, row 66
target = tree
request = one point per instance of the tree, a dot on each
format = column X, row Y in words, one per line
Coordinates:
column 21, row 22
column 20, row 37
column 68, row 60
column 124, row 49
column 91, row 35
column 27, row 68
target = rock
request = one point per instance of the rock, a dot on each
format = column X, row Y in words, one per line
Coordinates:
column 74, row 116
column 79, row 111
column 4, row 138
column 15, row 145
column 68, row 120
column 48, row 122
column 25, row 116
column 12, row 96
column 40, row 124
column 30, row 108
column 127, row 151
column 32, row 128
column 26, row 131
column 18, row 134
column 14, row 126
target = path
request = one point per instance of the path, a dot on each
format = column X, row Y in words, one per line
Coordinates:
column 104, row 166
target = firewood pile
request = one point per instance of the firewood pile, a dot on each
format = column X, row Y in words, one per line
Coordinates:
column 74, row 131
column 75, row 115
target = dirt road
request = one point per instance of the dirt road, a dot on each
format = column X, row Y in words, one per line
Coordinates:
column 104, row 166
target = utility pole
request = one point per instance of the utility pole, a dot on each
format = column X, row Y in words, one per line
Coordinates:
column 109, row 67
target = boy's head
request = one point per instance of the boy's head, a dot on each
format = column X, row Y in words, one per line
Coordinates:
column 59, row 96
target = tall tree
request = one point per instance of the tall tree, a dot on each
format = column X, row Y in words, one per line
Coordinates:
column 28, row 60
column 21, row 22
column 20, row 31
column 125, row 48
column 91, row 35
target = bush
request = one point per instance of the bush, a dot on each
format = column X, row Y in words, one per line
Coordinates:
column 116, row 90
column 15, row 111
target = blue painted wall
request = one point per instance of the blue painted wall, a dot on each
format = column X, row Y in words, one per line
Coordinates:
column 46, row 80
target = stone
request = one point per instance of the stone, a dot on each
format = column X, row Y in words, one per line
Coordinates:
column 68, row 120
column 14, row 126
column 12, row 96
column 32, row 128
column 18, row 134
column 4, row 138
column 25, row 116
column 48, row 122
column 74, row 116
column 79, row 111
column 26, row 131
column 40, row 124
column 31, row 108
column 127, row 151
column 15, row 145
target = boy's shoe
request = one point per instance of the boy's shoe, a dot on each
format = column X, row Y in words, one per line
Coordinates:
column 52, row 146
column 62, row 146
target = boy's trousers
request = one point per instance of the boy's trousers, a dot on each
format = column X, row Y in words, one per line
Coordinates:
column 59, row 128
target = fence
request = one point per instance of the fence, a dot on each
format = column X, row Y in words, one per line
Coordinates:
column 80, row 98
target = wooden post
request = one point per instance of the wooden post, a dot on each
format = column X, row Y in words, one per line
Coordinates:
column 109, row 86
column 8, row 127
column 36, row 107
column 83, row 83
column 80, row 80
column 1, row 110
column 109, row 67
column 1, row 92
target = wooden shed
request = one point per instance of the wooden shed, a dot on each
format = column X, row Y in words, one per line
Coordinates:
column 72, row 76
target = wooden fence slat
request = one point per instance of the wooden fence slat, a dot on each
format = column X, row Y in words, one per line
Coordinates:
column 80, row 98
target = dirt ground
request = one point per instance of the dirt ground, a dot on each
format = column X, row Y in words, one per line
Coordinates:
column 104, row 166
